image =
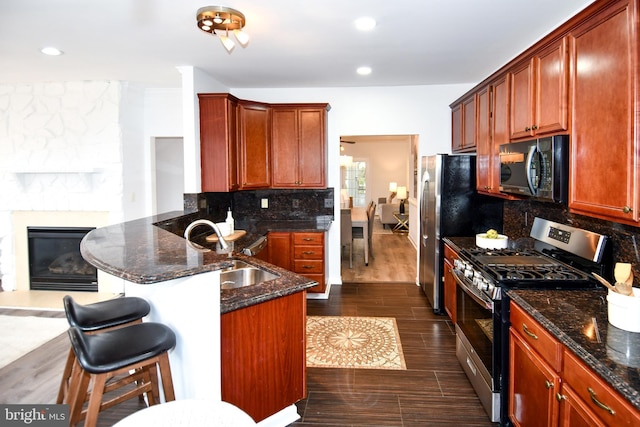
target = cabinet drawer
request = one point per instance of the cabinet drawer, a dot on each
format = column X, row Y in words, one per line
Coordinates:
column 598, row 395
column 308, row 238
column 536, row 337
column 308, row 266
column 308, row 252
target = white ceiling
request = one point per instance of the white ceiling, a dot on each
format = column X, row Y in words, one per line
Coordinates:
column 294, row 43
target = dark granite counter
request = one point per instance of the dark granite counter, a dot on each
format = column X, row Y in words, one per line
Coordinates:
column 152, row 250
column 579, row 320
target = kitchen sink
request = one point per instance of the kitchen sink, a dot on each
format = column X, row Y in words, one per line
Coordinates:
column 243, row 274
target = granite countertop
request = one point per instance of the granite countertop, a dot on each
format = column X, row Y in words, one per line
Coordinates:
column 579, row 320
column 152, row 250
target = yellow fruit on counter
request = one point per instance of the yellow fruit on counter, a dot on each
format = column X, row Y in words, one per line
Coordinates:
column 492, row 234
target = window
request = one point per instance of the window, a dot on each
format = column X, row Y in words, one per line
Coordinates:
column 355, row 181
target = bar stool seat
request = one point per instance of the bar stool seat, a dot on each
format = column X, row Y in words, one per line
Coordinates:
column 137, row 348
column 105, row 314
column 93, row 318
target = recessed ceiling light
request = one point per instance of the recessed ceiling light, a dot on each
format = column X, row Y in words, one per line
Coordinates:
column 51, row 51
column 365, row 23
column 364, row 71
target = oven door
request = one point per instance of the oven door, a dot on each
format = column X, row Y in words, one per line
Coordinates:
column 478, row 343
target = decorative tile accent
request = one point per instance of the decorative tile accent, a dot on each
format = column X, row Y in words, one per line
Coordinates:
column 354, row 342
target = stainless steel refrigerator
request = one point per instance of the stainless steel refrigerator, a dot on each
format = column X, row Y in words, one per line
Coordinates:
column 450, row 207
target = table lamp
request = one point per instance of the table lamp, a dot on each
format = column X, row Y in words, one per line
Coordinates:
column 393, row 187
column 402, row 195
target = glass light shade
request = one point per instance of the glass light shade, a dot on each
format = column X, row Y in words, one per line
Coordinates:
column 402, row 193
column 242, row 37
column 227, row 43
column 393, row 187
column 346, row 160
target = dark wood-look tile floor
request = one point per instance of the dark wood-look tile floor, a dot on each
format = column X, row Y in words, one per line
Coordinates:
column 433, row 391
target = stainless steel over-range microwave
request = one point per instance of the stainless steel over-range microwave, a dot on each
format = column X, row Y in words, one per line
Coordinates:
column 537, row 168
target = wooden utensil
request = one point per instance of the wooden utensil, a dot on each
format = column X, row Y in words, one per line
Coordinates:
column 605, row 282
column 624, row 278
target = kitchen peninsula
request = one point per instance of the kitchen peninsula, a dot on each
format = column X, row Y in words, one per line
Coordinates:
column 182, row 283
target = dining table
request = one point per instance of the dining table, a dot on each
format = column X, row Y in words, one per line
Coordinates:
column 359, row 219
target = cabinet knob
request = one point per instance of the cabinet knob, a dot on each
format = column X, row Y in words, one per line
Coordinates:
column 527, row 129
column 627, row 209
column 534, row 127
column 560, row 397
column 548, row 384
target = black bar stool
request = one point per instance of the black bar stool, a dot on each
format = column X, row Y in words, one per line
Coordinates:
column 93, row 318
column 115, row 354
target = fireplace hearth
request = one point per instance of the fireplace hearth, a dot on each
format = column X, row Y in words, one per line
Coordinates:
column 55, row 262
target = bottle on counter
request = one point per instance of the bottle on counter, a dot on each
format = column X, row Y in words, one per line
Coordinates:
column 230, row 221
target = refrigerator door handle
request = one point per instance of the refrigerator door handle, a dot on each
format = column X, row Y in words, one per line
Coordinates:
column 424, row 208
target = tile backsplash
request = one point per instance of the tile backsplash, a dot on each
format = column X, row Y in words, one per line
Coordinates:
column 281, row 204
column 625, row 240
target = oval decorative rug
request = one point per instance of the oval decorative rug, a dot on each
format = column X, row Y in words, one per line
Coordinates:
column 353, row 342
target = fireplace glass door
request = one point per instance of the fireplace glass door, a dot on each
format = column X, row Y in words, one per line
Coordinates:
column 55, row 262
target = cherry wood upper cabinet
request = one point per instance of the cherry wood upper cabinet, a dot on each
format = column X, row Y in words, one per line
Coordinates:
column 604, row 140
column 218, row 142
column 463, row 122
column 540, row 92
column 493, row 130
column 255, row 144
column 299, row 146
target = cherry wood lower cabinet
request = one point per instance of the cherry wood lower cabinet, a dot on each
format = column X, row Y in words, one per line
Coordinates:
column 300, row 252
column 264, row 355
column 550, row 386
column 449, row 283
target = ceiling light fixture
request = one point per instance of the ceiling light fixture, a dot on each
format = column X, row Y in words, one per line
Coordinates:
column 365, row 23
column 51, row 51
column 364, row 71
column 224, row 19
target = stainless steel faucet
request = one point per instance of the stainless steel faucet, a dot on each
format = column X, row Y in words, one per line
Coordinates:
column 187, row 232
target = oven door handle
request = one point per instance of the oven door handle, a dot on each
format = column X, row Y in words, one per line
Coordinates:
column 488, row 304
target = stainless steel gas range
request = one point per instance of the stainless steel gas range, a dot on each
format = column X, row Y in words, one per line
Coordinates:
column 561, row 257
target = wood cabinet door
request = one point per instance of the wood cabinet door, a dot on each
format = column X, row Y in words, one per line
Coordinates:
column 279, row 244
column 313, row 148
column 469, row 119
column 285, row 147
column 552, row 89
column 604, row 151
column 456, row 128
column 522, row 99
column 449, row 291
column 484, row 140
column 255, row 145
column 263, row 355
column 299, row 147
column 532, row 387
column 218, row 142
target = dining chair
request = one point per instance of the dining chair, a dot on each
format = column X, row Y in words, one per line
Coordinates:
column 346, row 233
column 371, row 214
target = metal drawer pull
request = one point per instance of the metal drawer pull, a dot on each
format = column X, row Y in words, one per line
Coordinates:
column 308, row 239
column 526, row 331
column 307, row 266
column 599, row 404
column 308, row 252
column 548, row 384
